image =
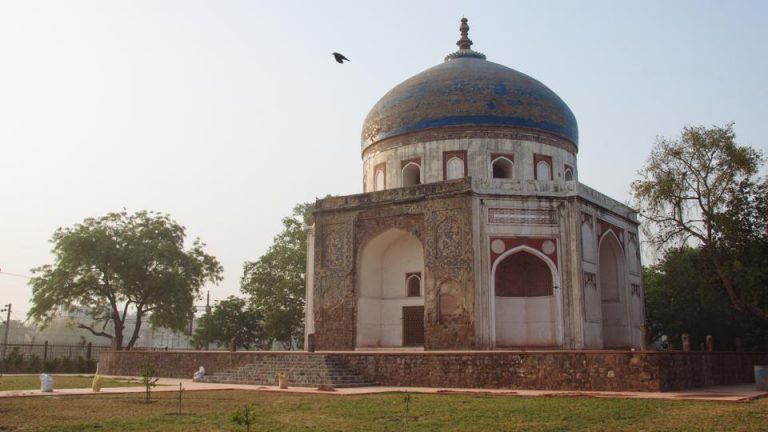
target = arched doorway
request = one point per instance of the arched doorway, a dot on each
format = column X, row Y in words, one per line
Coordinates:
column 613, row 293
column 390, row 305
column 525, row 301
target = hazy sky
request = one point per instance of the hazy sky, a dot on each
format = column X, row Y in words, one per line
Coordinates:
column 225, row 114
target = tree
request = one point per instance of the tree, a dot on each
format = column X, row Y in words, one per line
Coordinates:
column 686, row 192
column 119, row 265
column 743, row 242
column 684, row 295
column 232, row 322
column 275, row 282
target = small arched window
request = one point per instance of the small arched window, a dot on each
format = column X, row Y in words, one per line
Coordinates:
column 542, row 167
column 503, row 168
column 379, row 180
column 454, row 168
column 411, row 174
column 413, row 284
column 568, row 173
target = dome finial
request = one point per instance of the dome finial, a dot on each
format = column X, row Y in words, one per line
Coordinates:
column 465, row 45
column 465, row 42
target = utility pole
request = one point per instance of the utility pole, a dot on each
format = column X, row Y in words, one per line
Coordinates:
column 7, row 326
column 5, row 338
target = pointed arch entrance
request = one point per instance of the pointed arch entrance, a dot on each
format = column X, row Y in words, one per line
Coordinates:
column 390, row 304
column 526, row 299
column 611, row 280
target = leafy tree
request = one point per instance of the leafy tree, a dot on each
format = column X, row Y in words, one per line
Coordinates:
column 743, row 243
column 687, row 192
column 275, row 282
column 232, row 322
column 683, row 295
column 119, row 265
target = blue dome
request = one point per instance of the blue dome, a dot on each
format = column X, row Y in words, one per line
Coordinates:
column 468, row 91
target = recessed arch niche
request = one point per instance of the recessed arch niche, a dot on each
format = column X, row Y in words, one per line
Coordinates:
column 525, row 306
column 611, row 282
column 384, row 265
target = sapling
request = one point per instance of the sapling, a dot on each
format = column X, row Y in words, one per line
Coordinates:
column 149, row 380
column 243, row 418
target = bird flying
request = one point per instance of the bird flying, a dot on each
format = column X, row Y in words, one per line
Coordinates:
column 340, row 57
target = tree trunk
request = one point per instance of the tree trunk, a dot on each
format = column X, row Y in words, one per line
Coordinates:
column 135, row 335
column 117, row 341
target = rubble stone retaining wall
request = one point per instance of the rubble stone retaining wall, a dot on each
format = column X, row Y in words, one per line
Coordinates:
column 545, row 370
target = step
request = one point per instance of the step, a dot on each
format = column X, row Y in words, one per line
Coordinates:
column 300, row 370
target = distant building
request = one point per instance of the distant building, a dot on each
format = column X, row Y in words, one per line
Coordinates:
column 473, row 231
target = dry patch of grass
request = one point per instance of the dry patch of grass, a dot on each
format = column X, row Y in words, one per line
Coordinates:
column 212, row 411
column 32, row 382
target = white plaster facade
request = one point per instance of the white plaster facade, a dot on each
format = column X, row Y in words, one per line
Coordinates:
column 480, row 155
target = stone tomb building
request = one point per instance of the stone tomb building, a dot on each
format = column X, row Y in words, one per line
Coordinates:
column 473, row 231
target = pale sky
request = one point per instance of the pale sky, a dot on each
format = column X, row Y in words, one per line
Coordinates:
column 225, row 114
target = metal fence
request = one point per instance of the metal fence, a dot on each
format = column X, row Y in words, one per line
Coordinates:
column 46, row 351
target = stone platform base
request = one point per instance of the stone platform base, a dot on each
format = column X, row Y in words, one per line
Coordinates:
column 542, row 370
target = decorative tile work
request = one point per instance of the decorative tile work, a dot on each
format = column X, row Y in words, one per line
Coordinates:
column 451, row 237
column 521, row 216
column 523, row 186
column 468, row 92
column 335, row 247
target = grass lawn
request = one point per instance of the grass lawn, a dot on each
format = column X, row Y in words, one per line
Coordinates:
column 212, row 411
column 32, row 382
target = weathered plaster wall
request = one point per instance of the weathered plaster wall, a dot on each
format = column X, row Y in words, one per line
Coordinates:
column 457, row 222
column 529, row 321
column 603, row 221
column 480, row 148
column 527, row 218
column 439, row 216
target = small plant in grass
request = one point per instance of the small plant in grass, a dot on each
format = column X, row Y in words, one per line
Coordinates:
column 244, row 417
column 149, row 379
column 407, row 400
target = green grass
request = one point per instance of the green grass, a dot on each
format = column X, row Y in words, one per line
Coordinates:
column 32, row 382
column 213, row 410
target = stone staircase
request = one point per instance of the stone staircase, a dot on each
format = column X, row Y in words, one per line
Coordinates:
column 308, row 370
